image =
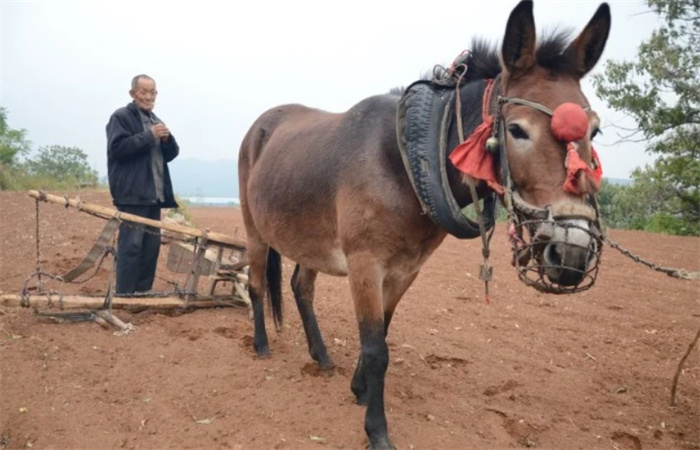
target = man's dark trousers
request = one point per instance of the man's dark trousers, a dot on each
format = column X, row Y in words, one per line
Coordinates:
column 137, row 251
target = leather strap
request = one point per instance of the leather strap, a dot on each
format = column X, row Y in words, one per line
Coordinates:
column 95, row 252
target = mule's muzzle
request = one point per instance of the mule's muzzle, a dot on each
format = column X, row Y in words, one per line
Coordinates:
column 557, row 250
column 567, row 263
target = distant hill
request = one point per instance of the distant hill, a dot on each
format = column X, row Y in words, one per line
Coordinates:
column 198, row 178
column 219, row 178
column 621, row 181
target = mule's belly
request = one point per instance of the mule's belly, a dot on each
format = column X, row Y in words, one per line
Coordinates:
column 311, row 243
column 326, row 259
column 332, row 262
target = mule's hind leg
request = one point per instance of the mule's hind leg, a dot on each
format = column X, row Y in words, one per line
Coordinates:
column 303, row 286
column 257, row 252
column 393, row 290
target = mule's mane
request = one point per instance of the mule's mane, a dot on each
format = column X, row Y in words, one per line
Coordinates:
column 551, row 54
column 484, row 61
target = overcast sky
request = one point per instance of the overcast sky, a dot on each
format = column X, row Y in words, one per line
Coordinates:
column 66, row 66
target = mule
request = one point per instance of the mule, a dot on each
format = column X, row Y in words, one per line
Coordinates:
column 332, row 193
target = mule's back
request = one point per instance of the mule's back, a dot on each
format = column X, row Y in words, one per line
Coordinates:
column 310, row 178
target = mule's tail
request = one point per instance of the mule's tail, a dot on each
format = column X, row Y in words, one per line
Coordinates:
column 274, row 285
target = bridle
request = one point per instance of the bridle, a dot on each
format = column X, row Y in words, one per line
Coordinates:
column 525, row 220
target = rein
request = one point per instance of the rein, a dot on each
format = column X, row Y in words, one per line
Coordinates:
column 486, row 269
column 520, row 101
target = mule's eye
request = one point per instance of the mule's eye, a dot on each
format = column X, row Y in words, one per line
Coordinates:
column 596, row 131
column 517, row 132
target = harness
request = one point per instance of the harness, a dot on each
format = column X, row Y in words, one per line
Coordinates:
column 423, row 119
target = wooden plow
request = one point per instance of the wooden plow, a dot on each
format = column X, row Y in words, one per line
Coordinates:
column 205, row 257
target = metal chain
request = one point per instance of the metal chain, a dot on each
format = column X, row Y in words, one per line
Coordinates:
column 37, row 266
column 670, row 271
column 24, row 293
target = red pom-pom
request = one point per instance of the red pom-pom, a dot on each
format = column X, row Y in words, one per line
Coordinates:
column 569, row 122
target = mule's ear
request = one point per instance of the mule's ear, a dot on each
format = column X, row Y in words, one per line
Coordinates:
column 518, row 52
column 589, row 45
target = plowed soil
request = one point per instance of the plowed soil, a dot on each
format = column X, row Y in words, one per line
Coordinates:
column 585, row 371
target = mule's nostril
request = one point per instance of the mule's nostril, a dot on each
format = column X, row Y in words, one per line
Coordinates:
column 562, row 256
column 592, row 251
column 552, row 256
column 562, row 264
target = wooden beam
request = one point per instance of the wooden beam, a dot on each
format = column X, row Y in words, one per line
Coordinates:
column 108, row 317
column 127, row 303
column 108, row 213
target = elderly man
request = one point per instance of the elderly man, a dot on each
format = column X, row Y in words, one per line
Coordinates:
column 139, row 148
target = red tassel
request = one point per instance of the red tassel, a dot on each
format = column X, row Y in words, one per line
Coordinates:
column 472, row 158
column 574, row 164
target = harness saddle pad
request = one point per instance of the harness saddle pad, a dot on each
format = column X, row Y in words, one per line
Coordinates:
column 423, row 118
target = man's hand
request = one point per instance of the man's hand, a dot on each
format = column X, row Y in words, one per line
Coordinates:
column 160, row 131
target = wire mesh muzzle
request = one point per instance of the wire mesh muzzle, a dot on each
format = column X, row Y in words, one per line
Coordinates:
column 556, row 261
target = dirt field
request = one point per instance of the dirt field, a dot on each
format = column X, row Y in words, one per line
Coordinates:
column 588, row 371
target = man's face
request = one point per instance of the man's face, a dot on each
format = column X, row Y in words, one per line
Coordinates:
column 145, row 94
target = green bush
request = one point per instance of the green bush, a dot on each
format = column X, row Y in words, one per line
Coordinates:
column 61, row 165
column 668, row 224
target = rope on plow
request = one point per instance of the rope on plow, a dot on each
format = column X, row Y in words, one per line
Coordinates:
column 671, row 272
column 674, row 385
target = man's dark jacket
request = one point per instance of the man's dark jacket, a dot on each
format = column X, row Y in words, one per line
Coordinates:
column 129, row 160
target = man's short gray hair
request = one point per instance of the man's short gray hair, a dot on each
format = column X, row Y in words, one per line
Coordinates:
column 135, row 80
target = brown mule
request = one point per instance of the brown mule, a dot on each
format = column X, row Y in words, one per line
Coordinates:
column 331, row 192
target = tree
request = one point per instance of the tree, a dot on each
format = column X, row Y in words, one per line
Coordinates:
column 62, row 165
column 13, row 145
column 660, row 90
column 642, row 205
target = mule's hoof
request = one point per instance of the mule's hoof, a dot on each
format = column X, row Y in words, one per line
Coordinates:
column 383, row 444
column 326, row 366
column 361, row 398
column 359, row 388
column 262, row 352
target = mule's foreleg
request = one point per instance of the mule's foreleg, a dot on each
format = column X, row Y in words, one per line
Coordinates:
column 303, row 287
column 393, row 290
column 358, row 386
column 366, row 287
column 375, row 361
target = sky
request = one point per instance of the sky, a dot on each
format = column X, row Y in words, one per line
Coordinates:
column 66, row 66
